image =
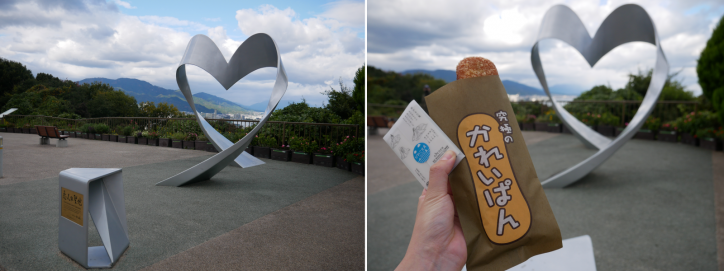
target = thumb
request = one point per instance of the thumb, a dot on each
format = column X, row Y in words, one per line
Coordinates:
column 438, row 175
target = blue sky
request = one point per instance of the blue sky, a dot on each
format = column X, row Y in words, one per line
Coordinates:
column 321, row 41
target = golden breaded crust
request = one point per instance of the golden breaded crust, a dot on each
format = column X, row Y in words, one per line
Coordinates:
column 475, row 66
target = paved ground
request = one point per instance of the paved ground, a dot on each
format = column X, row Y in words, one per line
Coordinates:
column 26, row 160
column 650, row 207
column 280, row 215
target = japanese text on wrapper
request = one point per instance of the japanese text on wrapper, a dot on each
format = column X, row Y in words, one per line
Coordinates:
column 504, row 211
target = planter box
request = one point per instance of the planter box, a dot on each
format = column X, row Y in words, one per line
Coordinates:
column 341, row 164
column 645, row 134
column 301, row 157
column 606, row 130
column 281, row 155
column 358, row 168
column 713, row 144
column 177, row 144
column 249, row 150
column 164, row 142
column 210, row 147
column 152, row 142
column 122, row 139
column 565, row 130
column 325, row 160
column 33, row 131
column 113, row 138
column 262, row 152
column 527, row 126
column 142, row 141
column 132, row 139
column 689, row 139
column 26, row 130
column 106, row 137
column 189, row 145
column 554, row 128
column 3, row 129
column 541, row 126
column 618, row 131
column 668, row 136
column 201, row 145
column 98, row 137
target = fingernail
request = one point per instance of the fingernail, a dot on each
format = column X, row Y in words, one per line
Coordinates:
column 447, row 155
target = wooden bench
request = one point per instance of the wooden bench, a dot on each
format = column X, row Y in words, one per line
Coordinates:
column 48, row 132
column 374, row 122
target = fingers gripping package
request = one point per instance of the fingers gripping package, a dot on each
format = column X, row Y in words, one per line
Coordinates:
column 503, row 209
column 419, row 142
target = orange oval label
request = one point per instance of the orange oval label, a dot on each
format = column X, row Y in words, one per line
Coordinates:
column 504, row 211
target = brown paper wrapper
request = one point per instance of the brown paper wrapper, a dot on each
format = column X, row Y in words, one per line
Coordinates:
column 496, row 184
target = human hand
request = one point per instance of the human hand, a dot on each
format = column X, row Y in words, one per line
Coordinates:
column 437, row 240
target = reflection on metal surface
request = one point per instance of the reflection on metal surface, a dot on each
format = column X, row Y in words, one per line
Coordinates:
column 625, row 24
column 258, row 51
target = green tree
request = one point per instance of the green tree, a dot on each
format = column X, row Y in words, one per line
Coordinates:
column 12, row 74
column 163, row 110
column 302, row 112
column 359, row 88
column 341, row 102
column 710, row 70
column 112, row 103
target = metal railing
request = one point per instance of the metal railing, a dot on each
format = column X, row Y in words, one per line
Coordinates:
column 282, row 131
column 624, row 110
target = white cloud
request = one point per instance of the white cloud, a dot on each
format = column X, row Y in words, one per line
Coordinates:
column 124, row 4
column 101, row 41
column 406, row 34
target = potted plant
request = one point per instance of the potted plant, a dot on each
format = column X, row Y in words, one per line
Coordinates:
column 302, row 149
column 281, row 153
column 607, row 123
column 541, row 124
column 668, row 132
column 3, row 127
column 341, row 149
column 189, row 140
column 554, row 123
column 152, row 138
column 104, row 131
column 262, row 146
column 526, row 122
column 201, row 143
column 165, row 140
column 128, row 132
column 141, row 137
column 177, row 140
column 357, row 161
column 323, row 157
column 708, row 138
column 650, row 127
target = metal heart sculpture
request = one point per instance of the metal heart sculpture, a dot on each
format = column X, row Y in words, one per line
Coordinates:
column 625, row 24
column 258, row 51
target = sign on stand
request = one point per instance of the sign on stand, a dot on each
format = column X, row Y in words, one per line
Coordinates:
column 98, row 191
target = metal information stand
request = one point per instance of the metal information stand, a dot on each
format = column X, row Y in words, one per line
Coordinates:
column 98, row 191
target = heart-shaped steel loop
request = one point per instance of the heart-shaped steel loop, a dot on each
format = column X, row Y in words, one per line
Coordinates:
column 627, row 23
column 258, row 51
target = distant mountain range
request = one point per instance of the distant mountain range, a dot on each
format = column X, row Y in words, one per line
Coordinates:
column 205, row 103
column 511, row 87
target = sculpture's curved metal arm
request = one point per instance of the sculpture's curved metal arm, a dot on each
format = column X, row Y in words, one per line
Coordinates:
column 258, row 51
column 625, row 24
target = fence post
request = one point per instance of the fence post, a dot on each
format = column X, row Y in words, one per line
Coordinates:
column 623, row 113
column 284, row 131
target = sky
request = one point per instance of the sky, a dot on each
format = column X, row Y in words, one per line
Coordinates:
column 321, row 42
column 409, row 34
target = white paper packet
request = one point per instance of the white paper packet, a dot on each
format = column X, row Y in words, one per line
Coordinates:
column 419, row 142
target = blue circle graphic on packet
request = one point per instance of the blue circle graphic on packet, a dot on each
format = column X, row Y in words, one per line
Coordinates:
column 421, row 152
